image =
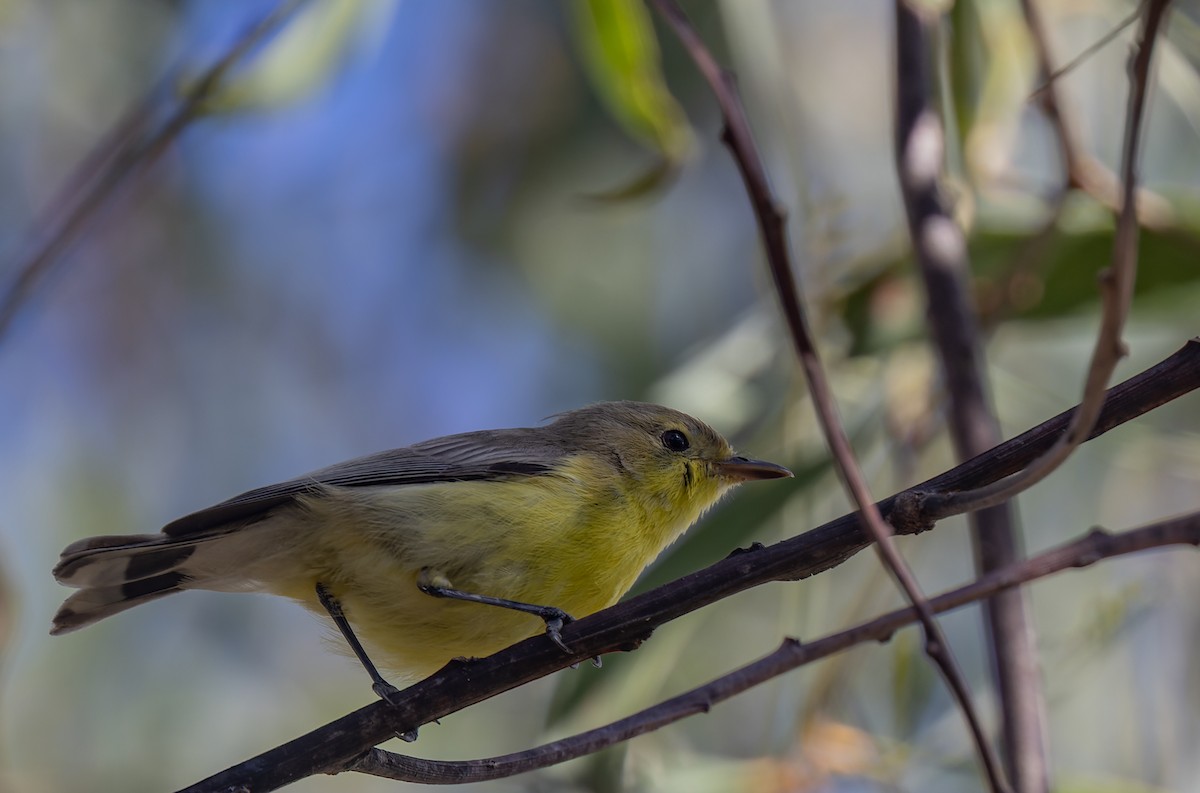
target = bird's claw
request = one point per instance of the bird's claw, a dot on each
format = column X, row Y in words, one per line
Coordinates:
column 387, row 692
column 391, row 695
column 554, row 627
column 555, row 619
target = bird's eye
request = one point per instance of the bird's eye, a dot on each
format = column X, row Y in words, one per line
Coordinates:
column 675, row 440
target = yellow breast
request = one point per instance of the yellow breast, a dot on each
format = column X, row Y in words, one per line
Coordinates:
column 576, row 540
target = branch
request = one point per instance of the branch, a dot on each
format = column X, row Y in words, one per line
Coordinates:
column 1116, row 287
column 1083, row 171
column 1048, row 75
column 1080, row 170
column 740, row 141
column 625, row 625
column 941, row 254
column 1047, row 93
column 132, row 146
column 1032, row 254
column 1082, row 552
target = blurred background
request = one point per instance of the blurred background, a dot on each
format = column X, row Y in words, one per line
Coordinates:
column 410, row 218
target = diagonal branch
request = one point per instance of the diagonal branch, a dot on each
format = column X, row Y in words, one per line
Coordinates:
column 1080, row 170
column 941, row 254
column 1049, row 76
column 1116, row 287
column 1084, row 171
column 1064, row 132
column 625, row 625
column 740, row 141
column 1082, row 552
column 132, row 146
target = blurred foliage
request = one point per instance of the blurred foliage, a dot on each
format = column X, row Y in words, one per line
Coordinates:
column 391, row 248
column 304, row 56
column 620, row 52
column 1015, row 281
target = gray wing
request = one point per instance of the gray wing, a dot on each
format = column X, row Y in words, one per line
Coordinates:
column 471, row 456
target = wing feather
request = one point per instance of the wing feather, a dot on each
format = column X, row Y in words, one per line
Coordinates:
column 471, row 456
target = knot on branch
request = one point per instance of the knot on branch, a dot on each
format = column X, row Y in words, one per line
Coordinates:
column 754, row 547
column 907, row 514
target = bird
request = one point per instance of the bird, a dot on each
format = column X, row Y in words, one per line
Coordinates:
column 454, row 547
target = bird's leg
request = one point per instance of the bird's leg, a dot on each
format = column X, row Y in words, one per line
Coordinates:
column 555, row 618
column 381, row 687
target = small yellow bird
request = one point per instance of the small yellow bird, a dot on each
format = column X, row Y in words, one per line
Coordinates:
column 453, row 547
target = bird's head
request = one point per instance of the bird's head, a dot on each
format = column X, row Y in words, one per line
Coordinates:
column 666, row 455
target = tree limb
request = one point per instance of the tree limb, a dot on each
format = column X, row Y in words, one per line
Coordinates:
column 1081, row 552
column 941, row 254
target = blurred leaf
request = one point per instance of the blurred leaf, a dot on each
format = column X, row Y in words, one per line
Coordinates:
column 1066, row 281
column 884, row 311
column 967, row 67
column 301, row 58
column 887, row 309
column 831, row 747
column 620, row 54
column 657, row 176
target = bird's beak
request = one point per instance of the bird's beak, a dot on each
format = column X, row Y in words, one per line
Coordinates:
column 740, row 469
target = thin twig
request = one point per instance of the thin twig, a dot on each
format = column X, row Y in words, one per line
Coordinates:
column 1083, row 171
column 941, row 254
column 129, row 148
column 1031, row 257
column 1050, row 76
column 1081, row 552
column 1116, row 287
column 623, row 626
column 1047, row 94
column 771, row 222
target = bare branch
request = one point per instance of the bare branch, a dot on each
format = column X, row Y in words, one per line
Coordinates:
column 1083, row 171
column 1116, row 288
column 941, row 254
column 625, row 625
column 133, row 145
column 1049, row 76
column 1084, row 551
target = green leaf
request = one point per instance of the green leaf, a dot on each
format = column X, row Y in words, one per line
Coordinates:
column 620, row 55
column 299, row 59
column 1066, row 280
column 887, row 307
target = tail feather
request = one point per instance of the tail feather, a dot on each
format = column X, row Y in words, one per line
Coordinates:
column 95, row 603
column 114, row 573
column 112, row 560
